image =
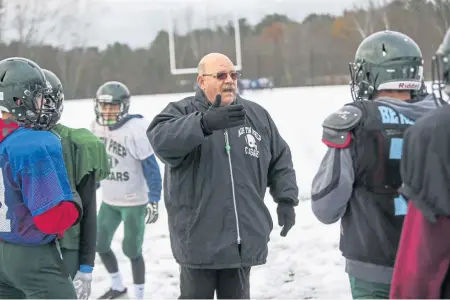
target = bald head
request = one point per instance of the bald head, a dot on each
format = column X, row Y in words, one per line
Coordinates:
column 216, row 75
column 211, row 60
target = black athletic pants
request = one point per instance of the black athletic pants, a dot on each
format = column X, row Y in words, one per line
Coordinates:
column 202, row 283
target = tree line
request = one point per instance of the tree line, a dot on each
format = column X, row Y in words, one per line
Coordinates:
column 313, row 51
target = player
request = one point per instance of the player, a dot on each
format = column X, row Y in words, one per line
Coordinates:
column 425, row 167
column 86, row 163
column 36, row 202
column 359, row 176
column 133, row 189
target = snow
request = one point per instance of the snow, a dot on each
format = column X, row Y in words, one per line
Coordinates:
column 307, row 264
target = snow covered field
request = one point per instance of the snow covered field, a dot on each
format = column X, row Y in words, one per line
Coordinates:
column 307, row 264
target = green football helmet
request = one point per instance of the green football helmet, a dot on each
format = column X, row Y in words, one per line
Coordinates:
column 440, row 68
column 55, row 96
column 22, row 89
column 113, row 93
column 385, row 60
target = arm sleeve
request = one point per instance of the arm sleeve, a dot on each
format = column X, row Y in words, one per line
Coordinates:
column 57, row 219
column 153, row 178
column 281, row 177
column 332, row 186
column 174, row 134
column 88, row 232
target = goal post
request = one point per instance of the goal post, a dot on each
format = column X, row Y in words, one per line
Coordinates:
column 183, row 71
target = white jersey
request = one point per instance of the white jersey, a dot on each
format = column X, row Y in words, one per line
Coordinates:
column 126, row 147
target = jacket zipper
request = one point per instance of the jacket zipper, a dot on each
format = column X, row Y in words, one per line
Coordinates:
column 228, row 150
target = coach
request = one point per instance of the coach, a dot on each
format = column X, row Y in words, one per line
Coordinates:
column 221, row 152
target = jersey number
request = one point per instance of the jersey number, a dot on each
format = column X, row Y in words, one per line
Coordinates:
column 5, row 223
column 395, row 152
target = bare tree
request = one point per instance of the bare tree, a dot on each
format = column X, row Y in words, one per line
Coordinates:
column 442, row 15
column 32, row 20
column 363, row 21
column 383, row 7
column 366, row 18
column 73, row 32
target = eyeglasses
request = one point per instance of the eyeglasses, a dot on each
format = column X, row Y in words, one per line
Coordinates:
column 223, row 75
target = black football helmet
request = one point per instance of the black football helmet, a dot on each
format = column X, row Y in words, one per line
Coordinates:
column 385, row 60
column 111, row 92
column 54, row 97
column 22, row 89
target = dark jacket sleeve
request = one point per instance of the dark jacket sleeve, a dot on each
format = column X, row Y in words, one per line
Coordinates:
column 281, row 177
column 174, row 133
column 88, row 230
column 332, row 186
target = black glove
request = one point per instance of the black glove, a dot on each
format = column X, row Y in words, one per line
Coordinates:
column 286, row 217
column 222, row 117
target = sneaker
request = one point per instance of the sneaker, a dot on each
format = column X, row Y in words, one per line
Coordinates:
column 113, row 294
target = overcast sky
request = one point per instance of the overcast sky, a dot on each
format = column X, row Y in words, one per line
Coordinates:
column 136, row 22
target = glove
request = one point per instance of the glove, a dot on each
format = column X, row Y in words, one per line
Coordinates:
column 151, row 213
column 82, row 284
column 222, row 117
column 286, row 217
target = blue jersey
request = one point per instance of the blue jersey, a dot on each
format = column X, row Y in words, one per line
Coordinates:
column 33, row 179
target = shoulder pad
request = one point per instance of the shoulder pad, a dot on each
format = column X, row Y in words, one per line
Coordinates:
column 90, row 154
column 345, row 119
column 60, row 130
column 83, row 152
column 31, row 146
column 337, row 126
column 77, row 136
column 83, row 136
